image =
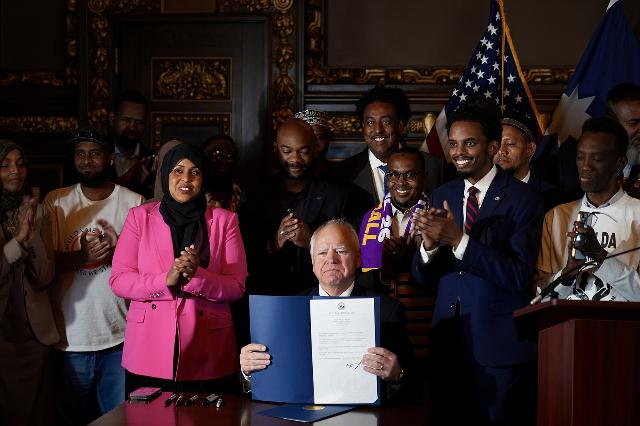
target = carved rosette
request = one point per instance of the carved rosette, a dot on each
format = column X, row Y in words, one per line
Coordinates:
column 163, row 119
column 36, row 125
column 68, row 77
column 284, row 57
column 194, row 79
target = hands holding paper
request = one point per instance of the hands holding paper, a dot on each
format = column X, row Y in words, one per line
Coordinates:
column 254, row 357
column 383, row 363
column 378, row 361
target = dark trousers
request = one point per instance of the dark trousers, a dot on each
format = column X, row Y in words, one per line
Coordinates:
column 467, row 393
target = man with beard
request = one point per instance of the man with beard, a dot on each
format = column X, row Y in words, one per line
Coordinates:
column 131, row 159
column 610, row 224
column 86, row 219
column 623, row 104
column 514, row 156
column 384, row 113
column 480, row 239
column 278, row 219
column 387, row 235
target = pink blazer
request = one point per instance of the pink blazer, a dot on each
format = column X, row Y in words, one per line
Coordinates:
column 143, row 256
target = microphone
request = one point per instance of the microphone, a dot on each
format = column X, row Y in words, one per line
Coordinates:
column 561, row 279
column 570, row 273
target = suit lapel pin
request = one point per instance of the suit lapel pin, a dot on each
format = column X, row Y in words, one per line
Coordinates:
column 497, row 198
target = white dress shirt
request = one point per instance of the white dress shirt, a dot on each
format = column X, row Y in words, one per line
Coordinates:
column 482, row 186
column 378, row 175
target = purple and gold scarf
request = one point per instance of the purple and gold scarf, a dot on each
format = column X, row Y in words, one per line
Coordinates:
column 376, row 226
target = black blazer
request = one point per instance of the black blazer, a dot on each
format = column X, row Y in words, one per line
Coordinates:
column 289, row 271
column 356, row 169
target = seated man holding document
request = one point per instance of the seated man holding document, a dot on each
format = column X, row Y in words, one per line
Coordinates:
column 335, row 253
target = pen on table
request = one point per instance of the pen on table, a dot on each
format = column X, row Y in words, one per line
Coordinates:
column 179, row 400
column 219, row 402
column 210, row 399
column 169, row 400
column 191, row 400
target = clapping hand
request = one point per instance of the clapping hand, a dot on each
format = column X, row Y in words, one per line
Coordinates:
column 185, row 265
column 26, row 218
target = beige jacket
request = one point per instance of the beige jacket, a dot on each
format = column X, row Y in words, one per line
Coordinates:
column 31, row 265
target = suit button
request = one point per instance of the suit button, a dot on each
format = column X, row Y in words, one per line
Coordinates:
column 201, row 312
column 452, row 306
column 461, row 273
column 153, row 306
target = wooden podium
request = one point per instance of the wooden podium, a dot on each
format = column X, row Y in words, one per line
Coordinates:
column 588, row 361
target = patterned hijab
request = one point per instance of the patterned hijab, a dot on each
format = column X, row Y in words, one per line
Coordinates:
column 186, row 220
column 9, row 201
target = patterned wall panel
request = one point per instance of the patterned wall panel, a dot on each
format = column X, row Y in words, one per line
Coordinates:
column 191, row 79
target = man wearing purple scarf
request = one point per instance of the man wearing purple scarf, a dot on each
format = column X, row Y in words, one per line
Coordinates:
column 387, row 236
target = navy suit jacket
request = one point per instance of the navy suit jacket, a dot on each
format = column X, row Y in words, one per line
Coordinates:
column 494, row 276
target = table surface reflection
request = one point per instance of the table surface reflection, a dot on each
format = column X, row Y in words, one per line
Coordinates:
column 241, row 410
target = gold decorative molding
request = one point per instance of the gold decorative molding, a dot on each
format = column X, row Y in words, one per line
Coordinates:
column 282, row 20
column 68, row 77
column 191, row 79
column 345, row 124
column 283, row 25
column 160, row 120
column 316, row 71
column 36, row 125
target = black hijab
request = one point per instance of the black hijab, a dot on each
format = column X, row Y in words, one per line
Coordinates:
column 186, row 220
column 9, row 201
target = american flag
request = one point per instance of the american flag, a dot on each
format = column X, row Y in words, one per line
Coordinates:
column 493, row 72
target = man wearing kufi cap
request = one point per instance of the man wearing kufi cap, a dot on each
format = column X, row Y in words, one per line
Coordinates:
column 517, row 147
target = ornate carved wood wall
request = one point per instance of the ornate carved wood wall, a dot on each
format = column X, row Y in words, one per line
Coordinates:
column 39, row 107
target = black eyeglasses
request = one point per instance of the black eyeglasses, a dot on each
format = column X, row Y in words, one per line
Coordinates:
column 409, row 176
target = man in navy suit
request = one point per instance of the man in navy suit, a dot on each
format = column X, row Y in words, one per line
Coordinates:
column 384, row 113
column 480, row 241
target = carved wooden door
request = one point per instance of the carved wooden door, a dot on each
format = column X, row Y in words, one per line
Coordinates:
column 202, row 76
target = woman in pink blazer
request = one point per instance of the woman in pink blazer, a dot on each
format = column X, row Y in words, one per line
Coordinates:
column 180, row 264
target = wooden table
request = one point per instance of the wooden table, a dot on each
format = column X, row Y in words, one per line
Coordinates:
column 241, row 410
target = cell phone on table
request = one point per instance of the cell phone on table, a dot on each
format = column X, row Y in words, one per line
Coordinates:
column 144, row 394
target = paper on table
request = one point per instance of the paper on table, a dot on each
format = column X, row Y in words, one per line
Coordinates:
column 341, row 332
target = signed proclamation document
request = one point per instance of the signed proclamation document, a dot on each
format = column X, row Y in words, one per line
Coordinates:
column 342, row 330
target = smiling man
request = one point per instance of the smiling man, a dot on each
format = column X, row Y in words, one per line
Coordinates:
column 384, row 113
column 612, row 224
column 387, row 237
column 86, row 221
column 480, row 239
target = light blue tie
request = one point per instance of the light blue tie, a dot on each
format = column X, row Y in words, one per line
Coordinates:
column 383, row 167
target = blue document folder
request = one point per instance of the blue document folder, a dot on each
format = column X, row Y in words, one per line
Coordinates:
column 283, row 325
column 306, row 413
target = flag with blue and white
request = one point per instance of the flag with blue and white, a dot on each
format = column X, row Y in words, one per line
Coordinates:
column 611, row 57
